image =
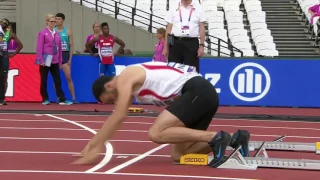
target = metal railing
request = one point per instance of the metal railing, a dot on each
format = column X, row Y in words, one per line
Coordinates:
column 117, row 8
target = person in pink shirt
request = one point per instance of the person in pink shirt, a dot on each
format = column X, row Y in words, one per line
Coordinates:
column 96, row 32
column 314, row 11
column 159, row 46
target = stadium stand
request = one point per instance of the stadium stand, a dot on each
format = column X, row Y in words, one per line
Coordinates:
column 8, row 9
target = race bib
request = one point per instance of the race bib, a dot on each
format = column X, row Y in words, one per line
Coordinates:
column 182, row 67
column 4, row 46
column 185, row 30
column 64, row 46
column 106, row 51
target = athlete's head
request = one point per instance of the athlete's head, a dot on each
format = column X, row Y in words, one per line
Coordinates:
column 60, row 17
column 50, row 20
column 5, row 23
column 105, row 28
column 104, row 89
column 96, row 27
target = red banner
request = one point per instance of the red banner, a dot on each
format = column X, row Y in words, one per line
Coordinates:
column 23, row 79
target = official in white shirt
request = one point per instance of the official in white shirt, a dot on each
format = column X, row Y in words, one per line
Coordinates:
column 186, row 23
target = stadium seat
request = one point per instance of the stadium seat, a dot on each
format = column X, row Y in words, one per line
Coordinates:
column 260, row 35
column 237, row 34
column 305, row 5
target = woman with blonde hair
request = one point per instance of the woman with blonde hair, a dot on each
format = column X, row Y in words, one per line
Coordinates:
column 49, row 58
column 159, row 46
column 96, row 32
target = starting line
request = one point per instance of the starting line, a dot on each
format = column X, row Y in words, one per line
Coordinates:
column 236, row 161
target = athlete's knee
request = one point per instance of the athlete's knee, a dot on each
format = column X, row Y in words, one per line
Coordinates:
column 155, row 135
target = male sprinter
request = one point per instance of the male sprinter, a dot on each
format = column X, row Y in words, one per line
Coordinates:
column 191, row 102
column 67, row 51
column 105, row 50
column 8, row 35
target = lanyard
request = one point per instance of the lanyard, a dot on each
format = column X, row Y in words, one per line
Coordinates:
column 191, row 10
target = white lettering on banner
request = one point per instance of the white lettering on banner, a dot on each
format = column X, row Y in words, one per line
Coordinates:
column 10, row 90
column 249, row 82
column 213, row 78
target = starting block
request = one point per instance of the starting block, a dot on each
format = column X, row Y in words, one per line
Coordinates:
column 135, row 110
column 278, row 145
column 236, row 161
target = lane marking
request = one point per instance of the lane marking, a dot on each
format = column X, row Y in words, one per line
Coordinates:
column 67, row 139
column 150, row 123
column 124, row 174
column 68, row 153
column 108, row 146
column 219, row 119
column 63, row 129
column 134, row 160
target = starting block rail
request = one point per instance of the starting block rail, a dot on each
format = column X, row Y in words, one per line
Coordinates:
column 236, row 161
column 278, row 145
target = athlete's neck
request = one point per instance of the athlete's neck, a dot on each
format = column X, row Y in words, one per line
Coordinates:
column 60, row 27
column 186, row 3
column 50, row 28
column 106, row 35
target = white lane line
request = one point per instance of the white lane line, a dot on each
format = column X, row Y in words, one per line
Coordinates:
column 108, row 146
column 123, row 174
column 68, row 139
column 71, row 153
column 138, row 158
column 64, row 129
column 150, row 123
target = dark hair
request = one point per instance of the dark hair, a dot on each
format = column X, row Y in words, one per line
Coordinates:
column 104, row 24
column 98, row 86
column 61, row 15
column 6, row 21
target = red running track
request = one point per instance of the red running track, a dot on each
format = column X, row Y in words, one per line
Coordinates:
column 41, row 147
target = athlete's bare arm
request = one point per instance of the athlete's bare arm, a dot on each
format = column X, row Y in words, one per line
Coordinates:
column 91, row 43
column 126, row 82
column 121, row 43
column 19, row 44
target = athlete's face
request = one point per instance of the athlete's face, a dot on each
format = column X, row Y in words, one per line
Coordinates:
column 59, row 21
column 4, row 24
column 105, row 30
column 110, row 95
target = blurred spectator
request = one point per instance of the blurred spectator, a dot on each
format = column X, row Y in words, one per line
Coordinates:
column 105, row 49
column 49, row 58
column 7, row 36
column 158, row 56
column 125, row 52
column 96, row 33
column 66, row 36
column 315, row 13
column 12, row 45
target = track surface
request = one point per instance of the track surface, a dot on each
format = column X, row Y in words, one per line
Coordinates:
column 41, row 147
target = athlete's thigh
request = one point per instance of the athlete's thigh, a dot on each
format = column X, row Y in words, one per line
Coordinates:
column 102, row 69
column 66, row 70
column 111, row 70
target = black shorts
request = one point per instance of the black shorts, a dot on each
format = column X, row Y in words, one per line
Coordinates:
column 65, row 57
column 197, row 105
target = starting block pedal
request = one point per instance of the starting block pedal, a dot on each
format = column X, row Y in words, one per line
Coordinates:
column 318, row 148
column 135, row 110
column 236, row 161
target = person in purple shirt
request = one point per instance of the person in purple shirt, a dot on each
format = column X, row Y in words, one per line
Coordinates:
column 96, row 32
column 159, row 46
column 314, row 12
column 49, row 58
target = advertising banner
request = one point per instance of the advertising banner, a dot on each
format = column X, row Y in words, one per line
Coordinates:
column 239, row 82
column 264, row 82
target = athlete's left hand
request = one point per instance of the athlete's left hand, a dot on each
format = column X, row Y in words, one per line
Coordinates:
column 200, row 51
column 89, row 154
column 11, row 55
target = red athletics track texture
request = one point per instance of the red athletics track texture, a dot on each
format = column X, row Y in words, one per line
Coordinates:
column 41, row 147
